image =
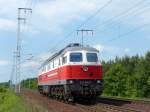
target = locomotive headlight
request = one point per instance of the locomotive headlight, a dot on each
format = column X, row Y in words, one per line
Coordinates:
column 85, row 68
column 98, row 81
column 71, row 81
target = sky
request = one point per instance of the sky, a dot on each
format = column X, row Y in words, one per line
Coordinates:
column 121, row 27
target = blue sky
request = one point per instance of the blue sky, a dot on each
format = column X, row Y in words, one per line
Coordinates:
column 52, row 20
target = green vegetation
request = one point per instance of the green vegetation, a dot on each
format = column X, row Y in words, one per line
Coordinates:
column 127, row 77
column 9, row 102
column 4, row 84
column 123, row 77
column 30, row 83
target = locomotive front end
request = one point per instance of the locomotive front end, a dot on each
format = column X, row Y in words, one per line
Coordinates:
column 86, row 74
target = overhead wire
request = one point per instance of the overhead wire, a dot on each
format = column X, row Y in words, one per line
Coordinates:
column 126, row 17
column 131, row 31
column 115, row 17
column 127, row 33
column 107, row 21
column 82, row 24
column 136, row 7
column 27, row 16
column 120, row 15
column 29, row 4
column 88, row 19
column 28, row 25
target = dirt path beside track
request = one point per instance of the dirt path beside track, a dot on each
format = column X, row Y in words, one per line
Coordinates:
column 42, row 103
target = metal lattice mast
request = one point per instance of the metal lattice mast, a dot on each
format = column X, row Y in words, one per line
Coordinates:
column 18, row 51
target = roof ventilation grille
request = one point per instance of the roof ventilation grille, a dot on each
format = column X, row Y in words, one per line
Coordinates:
column 74, row 45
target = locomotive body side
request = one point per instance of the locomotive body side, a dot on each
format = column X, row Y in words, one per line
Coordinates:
column 73, row 73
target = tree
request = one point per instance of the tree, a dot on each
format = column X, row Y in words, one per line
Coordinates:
column 115, row 81
column 127, row 76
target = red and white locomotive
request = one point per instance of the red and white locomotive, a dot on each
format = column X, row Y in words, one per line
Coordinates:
column 71, row 73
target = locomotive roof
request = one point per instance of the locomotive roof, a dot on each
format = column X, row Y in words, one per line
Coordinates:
column 70, row 47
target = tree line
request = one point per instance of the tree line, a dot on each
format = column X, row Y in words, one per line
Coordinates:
column 127, row 76
column 4, row 84
column 30, row 83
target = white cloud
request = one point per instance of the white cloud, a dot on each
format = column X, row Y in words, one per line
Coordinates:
column 6, row 24
column 44, row 56
column 127, row 50
column 30, row 64
column 4, row 62
column 57, row 14
column 99, row 47
column 54, row 16
column 109, row 52
column 108, row 49
column 112, row 49
column 9, row 7
column 8, row 14
column 37, row 60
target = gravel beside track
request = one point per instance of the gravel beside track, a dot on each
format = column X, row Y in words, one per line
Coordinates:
column 142, row 106
column 38, row 101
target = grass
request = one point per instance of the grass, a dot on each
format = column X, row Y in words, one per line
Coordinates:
column 10, row 102
column 127, row 98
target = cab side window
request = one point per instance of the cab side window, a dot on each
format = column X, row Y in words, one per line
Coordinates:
column 64, row 60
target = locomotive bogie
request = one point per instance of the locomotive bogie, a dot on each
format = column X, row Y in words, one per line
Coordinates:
column 74, row 88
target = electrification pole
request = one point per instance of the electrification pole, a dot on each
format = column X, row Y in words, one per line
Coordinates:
column 18, row 52
column 82, row 34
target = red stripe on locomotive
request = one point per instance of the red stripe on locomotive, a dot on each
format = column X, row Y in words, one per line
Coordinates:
column 72, row 72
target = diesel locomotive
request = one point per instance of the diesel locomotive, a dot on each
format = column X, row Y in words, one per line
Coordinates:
column 73, row 72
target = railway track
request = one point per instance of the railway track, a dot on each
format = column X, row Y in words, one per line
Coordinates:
column 106, row 107
column 126, row 100
column 136, row 105
column 112, row 108
column 101, row 104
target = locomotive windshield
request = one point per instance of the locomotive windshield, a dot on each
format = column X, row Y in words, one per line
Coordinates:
column 92, row 57
column 76, row 57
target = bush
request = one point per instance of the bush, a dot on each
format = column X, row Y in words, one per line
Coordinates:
column 9, row 102
column 3, row 90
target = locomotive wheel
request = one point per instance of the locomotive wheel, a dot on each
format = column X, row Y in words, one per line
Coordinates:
column 58, row 93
